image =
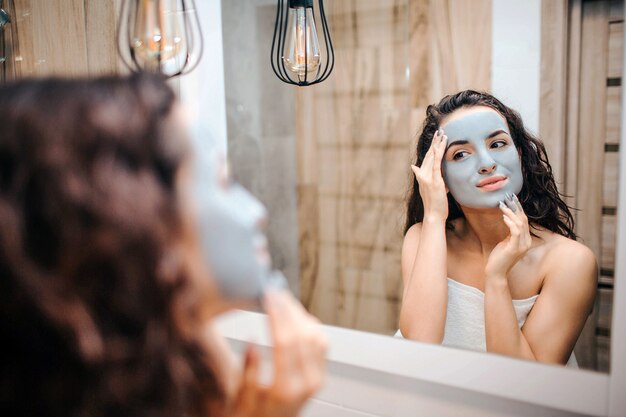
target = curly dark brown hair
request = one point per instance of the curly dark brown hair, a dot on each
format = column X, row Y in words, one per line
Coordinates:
column 539, row 196
column 89, row 211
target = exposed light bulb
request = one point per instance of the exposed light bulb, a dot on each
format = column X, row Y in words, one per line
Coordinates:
column 302, row 52
column 156, row 36
column 159, row 36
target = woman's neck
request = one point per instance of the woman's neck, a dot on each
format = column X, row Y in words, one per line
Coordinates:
column 484, row 228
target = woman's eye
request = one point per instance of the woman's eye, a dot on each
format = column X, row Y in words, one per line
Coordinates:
column 459, row 155
column 498, row 144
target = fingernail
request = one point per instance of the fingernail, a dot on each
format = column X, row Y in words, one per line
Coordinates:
column 440, row 131
column 502, row 205
column 510, row 204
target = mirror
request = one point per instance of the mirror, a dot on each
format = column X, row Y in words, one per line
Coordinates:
column 331, row 162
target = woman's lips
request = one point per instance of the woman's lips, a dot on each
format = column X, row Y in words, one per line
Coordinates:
column 492, row 184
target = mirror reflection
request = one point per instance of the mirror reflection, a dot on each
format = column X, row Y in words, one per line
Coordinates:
column 332, row 162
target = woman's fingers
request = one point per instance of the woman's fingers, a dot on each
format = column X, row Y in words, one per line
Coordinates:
column 251, row 366
column 247, row 399
column 299, row 348
column 518, row 227
column 510, row 204
column 432, row 159
column 527, row 239
column 299, row 362
column 429, row 159
column 440, row 150
column 283, row 330
column 515, row 234
column 520, row 212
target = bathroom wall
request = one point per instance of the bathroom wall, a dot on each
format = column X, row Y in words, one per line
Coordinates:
column 67, row 37
column 355, row 141
column 516, row 40
column 261, row 125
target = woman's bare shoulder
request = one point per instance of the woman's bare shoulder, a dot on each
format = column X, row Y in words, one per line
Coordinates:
column 558, row 245
column 565, row 256
column 414, row 230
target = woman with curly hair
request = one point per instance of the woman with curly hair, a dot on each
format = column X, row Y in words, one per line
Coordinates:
column 490, row 261
column 106, row 297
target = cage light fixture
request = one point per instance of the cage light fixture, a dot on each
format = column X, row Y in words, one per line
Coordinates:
column 160, row 36
column 296, row 56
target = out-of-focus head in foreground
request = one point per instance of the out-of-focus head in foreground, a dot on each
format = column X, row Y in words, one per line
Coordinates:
column 101, row 297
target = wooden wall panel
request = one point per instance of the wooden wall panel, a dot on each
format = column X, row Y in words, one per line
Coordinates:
column 351, row 131
column 101, row 33
column 613, row 113
column 611, row 172
column 420, row 39
column 59, row 41
column 553, row 83
column 607, row 250
column 573, row 103
column 356, row 137
column 460, row 47
column 67, row 37
column 591, row 139
column 592, row 143
column 591, row 122
column 24, row 21
column 616, row 51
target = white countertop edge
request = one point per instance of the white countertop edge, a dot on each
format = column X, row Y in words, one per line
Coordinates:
column 556, row 387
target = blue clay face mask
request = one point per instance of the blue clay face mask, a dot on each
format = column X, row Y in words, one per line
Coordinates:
column 230, row 222
column 481, row 164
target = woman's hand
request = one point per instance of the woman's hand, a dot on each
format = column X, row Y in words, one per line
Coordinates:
column 299, row 361
column 431, row 185
column 508, row 252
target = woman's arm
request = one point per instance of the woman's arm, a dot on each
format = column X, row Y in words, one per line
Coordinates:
column 424, row 266
column 566, row 301
column 425, row 297
column 559, row 314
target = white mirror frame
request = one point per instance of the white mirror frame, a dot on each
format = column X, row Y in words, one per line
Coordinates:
column 439, row 379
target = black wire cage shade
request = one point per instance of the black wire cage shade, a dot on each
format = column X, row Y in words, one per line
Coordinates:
column 296, row 55
column 160, row 36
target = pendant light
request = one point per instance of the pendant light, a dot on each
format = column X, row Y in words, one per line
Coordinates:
column 160, row 36
column 296, row 56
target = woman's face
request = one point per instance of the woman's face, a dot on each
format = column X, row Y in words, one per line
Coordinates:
column 481, row 163
column 228, row 223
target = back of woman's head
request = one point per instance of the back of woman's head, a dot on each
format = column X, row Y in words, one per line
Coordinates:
column 539, row 196
column 88, row 216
